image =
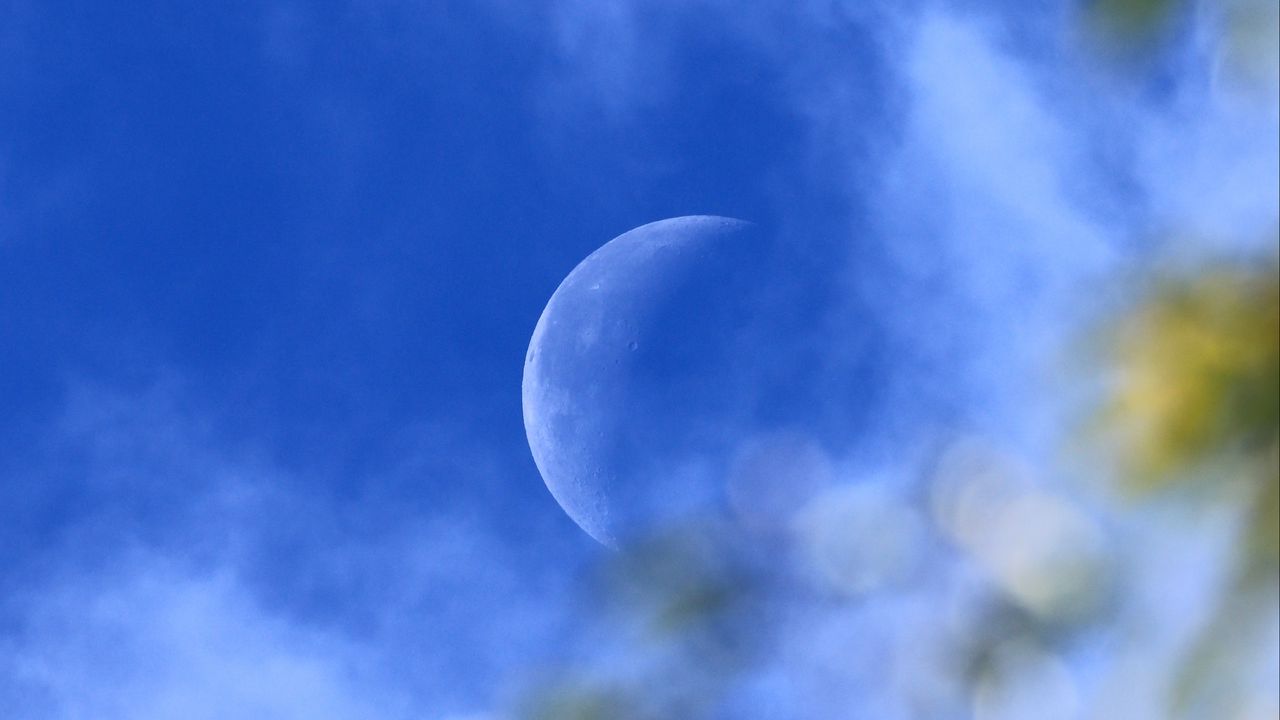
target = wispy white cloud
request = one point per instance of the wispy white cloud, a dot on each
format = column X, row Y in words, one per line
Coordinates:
column 987, row 247
column 194, row 577
column 150, row 642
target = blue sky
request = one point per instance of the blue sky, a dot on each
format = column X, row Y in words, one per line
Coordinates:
column 268, row 272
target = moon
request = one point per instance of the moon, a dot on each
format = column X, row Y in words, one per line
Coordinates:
column 646, row 365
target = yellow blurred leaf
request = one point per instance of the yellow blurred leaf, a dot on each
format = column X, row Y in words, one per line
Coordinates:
column 1198, row 374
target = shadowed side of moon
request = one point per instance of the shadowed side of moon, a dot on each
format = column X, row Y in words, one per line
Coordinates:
column 642, row 370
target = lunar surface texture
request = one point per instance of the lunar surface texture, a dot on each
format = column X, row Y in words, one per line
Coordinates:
column 649, row 363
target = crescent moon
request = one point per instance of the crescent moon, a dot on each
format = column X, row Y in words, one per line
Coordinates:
column 635, row 375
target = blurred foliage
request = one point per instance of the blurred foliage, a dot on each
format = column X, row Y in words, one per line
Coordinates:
column 578, row 702
column 1249, row 31
column 1197, row 397
column 674, row 583
column 680, row 616
column 1252, row 29
column 1196, row 410
column 1214, row 675
column 1133, row 17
